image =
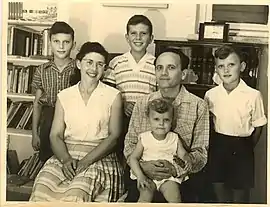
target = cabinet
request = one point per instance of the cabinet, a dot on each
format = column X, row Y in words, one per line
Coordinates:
column 201, row 61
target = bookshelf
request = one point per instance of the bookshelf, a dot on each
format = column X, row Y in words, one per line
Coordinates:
column 25, row 61
column 19, row 132
column 15, row 97
column 29, row 23
column 27, row 48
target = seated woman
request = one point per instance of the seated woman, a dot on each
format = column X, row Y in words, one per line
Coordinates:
column 85, row 130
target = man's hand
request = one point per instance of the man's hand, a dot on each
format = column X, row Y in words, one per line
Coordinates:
column 188, row 163
column 35, row 142
column 158, row 169
column 69, row 167
column 128, row 106
column 83, row 164
column 143, row 182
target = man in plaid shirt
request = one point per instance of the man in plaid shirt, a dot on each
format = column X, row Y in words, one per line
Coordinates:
column 191, row 124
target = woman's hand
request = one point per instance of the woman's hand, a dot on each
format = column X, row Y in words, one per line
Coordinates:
column 83, row 164
column 158, row 169
column 69, row 167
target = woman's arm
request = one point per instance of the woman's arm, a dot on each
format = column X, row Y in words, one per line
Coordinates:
column 57, row 142
column 108, row 144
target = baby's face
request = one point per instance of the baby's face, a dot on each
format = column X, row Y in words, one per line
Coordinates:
column 160, row 123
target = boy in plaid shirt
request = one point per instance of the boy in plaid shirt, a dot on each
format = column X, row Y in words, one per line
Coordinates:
column 49, row 79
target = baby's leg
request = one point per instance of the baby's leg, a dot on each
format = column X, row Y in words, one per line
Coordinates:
column 146, row 194
column 171, row 191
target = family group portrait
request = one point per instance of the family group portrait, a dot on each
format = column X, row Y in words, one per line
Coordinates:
column 135, row 102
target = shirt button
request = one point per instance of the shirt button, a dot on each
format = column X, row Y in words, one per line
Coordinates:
column 234, row 153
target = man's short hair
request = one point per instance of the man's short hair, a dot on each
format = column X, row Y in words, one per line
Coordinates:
column 137, row 19
column 224, row 51
column 61, row 27
column 183, row 58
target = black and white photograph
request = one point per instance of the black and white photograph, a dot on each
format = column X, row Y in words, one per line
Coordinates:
column 124, row 102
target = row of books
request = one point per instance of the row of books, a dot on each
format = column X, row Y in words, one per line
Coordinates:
column 31, row 167
column 19, row 115
column 15, row 10
column 19, row 78
column 24, row 173
column 25, row 41
column 32, row 11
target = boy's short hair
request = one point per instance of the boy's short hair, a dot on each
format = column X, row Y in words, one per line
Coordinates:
column 61, row 27
column 183, row 58
column 137, row 19
column 224, row 51
column 159, row 105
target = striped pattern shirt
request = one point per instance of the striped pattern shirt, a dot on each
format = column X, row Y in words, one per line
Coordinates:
column 192, row 125
column 51, row 81
column 131, row 78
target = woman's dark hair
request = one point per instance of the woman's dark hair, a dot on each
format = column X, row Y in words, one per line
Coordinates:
column 86, row 48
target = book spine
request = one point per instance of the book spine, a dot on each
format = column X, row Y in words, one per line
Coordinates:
column 11, row 41
column 27, row 45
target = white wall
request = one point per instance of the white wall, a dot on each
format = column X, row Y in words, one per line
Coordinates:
column 107, row 25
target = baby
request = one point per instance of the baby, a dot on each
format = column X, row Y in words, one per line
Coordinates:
column 159, row 143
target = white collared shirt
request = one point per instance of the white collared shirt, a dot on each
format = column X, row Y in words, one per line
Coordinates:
column 236, row 113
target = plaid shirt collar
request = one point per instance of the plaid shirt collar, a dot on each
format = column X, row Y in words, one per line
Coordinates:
column 183, row 96
column 70, row 66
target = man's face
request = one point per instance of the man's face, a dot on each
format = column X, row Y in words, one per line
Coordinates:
column 138, row 37
column 61, row 45
column 229, row 68
column 168, row 70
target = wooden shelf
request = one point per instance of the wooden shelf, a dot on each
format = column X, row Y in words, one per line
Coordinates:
column 19, row 132
column 20, row 97
column 29, row 23
column 25, row 61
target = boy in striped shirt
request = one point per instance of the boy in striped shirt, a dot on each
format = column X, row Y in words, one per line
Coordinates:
column 133, row 73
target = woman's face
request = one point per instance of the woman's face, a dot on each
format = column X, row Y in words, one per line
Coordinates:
column 92, row 66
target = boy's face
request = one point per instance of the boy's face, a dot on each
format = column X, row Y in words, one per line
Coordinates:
column 229, row 68
column 61, row 45
column 92, row 66
column 160, row 123
column 138, row 37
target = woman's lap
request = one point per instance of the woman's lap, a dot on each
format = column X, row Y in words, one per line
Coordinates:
column 102, row 181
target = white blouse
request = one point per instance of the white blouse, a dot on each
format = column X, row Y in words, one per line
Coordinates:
column 88, row 122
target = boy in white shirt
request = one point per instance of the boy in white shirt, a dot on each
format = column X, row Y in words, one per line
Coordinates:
column 238, row 116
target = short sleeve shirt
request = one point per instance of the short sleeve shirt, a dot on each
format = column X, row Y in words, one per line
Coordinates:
column 236, row 113
column 51, row 81
column 131, row 78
